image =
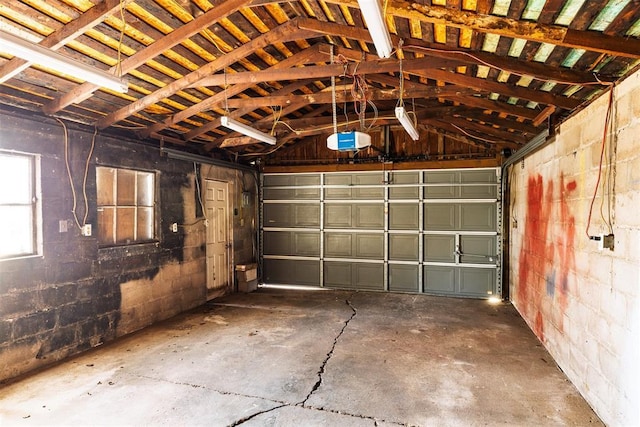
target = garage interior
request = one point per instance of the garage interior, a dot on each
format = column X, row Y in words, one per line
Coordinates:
column 450, row 187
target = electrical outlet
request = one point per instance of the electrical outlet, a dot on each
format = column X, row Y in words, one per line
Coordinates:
column 63, row 226
column 605, row 241
column 86, row 230
column 174, row 227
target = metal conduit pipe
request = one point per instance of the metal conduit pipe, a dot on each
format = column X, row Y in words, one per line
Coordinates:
column 180, row 155
column 531, row 147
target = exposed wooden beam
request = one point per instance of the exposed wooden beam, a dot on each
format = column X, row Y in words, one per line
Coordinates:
column 534, row 31
column 285, row 32
column 320, row 71
column 501, row 88
column 65, row 34
column 544, row 115
column 497, row 106
column 325, row 97
column 536, row 70
column 344, row 167
column 480, row 116
column 177, row 36
column 493, row 139
column 237, row 141
column 474, row 128
column 307, row 55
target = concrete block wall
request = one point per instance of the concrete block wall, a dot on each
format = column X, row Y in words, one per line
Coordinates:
column 584, row 303
column 78, row 295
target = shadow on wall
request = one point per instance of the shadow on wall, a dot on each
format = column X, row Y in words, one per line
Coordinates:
column 547, row 255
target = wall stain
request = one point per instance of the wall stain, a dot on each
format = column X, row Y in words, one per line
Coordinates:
column 547, row 257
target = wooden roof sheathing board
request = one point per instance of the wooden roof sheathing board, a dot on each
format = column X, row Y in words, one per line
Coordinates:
column 509, row 68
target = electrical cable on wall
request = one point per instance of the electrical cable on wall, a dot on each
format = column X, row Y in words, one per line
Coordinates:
column 199, row 191
column 607, row 124
column 84, row 180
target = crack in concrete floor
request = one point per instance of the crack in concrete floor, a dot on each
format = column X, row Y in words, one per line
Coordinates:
column 316, row 386
column 321, row 371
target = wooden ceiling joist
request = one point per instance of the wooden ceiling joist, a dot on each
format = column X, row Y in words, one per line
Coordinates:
column 284, row 32
column 177, row 36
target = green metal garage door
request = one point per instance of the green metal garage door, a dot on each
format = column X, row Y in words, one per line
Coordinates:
column 411, row 231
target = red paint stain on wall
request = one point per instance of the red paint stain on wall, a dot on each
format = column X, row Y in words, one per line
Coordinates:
column 547, row 253
column 565, row 244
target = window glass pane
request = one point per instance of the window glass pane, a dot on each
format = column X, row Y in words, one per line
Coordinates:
column 145, row 189
column 126, row 206
column 105, row 180
column 125, row 225
column 106, row 218
column 17, row 171
column 126, row 192
column 17, row 239
column 145, row 223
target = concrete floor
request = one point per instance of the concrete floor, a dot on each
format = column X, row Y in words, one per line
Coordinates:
column 290, row 358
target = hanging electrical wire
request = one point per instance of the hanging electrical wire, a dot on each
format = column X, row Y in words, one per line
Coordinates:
column 118, row 71
column 333, row 97
column 602, row 151
column 70, row 177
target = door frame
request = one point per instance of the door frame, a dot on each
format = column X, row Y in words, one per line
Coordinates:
column 230, row 245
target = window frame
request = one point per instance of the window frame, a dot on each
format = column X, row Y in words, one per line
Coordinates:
column 35, row 177
column 113, row 243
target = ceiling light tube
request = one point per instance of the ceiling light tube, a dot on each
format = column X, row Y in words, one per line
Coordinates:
column 37, row 54
column 407, row 123
column 374, row 17
column 228, row 122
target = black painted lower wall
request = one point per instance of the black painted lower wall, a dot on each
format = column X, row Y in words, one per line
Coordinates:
column 77, row 295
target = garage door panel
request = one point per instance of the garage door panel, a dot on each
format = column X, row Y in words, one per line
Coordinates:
column 278, row 243
column 441, row 185
column 477, row 281
column 439, row 248
column 277, row 215
column 478, row 176
column 440, row 217
column 338, row 245
column 404, row 216
column 292, row 272
column 277, row 180
column 479, row 192
column 477, row 217
column 368, row 276
column 337, row 193
column 338, row 215
column 369, row 246
column 338, row 274
column 440, row 279
column 404, row 178
column 403, row 278
column 368, row 193
column 306, row 215
column 478, row 249
column 306, row 243
column 404, row 247
column 369, row 216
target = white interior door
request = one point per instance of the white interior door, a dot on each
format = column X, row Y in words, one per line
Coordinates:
column 218, row 242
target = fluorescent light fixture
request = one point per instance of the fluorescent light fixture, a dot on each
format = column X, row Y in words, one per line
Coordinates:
column 374, row 17
column 37, row 54
column 407, row 123
column 228, row 122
